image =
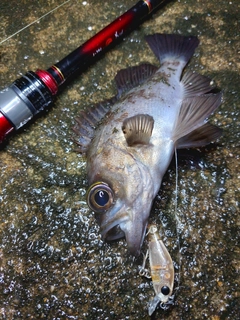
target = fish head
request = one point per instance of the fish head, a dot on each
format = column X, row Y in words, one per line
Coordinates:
column 121, row 195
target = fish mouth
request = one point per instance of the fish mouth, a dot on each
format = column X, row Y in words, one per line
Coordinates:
column 114, row 233
column 134, row 237
column 117, row 224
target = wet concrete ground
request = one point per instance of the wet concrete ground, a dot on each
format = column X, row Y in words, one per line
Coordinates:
column 53, row 263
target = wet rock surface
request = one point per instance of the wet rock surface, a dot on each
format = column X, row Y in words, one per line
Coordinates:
column 53, row 263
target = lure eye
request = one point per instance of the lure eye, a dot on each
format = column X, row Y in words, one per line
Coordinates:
column 99, row 197
column 165, row 290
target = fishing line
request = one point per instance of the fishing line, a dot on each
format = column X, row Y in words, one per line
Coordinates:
column 28, row 25
column 176, row 216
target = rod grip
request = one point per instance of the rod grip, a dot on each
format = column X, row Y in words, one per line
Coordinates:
column 24, row 98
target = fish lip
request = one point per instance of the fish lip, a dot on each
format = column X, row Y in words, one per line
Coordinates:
column 135, row 237
column 131, row 226
column 107, row 225
column 134, row 247
column 111, row 218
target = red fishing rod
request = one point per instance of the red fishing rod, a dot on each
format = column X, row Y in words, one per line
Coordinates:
column 34, row 91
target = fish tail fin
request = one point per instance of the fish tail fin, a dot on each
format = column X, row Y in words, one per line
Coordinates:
column 172, row 46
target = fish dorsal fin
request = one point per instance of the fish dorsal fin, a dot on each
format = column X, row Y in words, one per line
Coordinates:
column 195, row 84
column 138, row 129
column 129, row 78
column 193, row 114
column 87, row 121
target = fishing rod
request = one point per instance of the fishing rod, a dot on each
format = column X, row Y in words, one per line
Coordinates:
column 33, row 92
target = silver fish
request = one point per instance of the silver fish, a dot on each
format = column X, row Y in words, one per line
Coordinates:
column 129, row 140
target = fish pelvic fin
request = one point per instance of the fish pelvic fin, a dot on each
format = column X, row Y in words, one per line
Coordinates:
column 138, row 129
column 86, row 123
column 169, row 47
column 129, row 78
column 191, row 129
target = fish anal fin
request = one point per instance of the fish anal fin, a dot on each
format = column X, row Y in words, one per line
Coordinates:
column 86, row 123
column 195, row 84
column 193, row 114
column 131, row 77
column 138, row 129
column 199, row 137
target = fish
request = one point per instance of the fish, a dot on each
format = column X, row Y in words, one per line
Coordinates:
column 129, row 139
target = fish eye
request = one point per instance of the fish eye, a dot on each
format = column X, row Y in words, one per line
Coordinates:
column 165, row 290
column 99, row 197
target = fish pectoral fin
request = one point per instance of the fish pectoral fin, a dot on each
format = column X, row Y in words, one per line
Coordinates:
column 131, row 77
column 192, row 119
column 138, row 129
column 199, row 137
column 195, row 84
column 86, row 123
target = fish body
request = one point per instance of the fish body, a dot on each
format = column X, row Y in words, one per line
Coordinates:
column 129, row 141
